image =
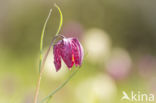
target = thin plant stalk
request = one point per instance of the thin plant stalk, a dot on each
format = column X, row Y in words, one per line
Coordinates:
column 43, row 60
column 41, row 57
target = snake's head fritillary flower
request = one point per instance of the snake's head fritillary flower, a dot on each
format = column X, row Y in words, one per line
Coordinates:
column 70, row 50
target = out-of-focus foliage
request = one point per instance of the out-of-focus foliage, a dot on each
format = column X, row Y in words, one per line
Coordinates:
column 118, row 38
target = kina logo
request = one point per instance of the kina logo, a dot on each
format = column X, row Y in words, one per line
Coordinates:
column 138, row 97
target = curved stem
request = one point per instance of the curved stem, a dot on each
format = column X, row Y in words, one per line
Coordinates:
column 61, row 19
column 60, row 87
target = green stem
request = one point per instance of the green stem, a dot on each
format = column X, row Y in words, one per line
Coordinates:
column 41, row 57
column 41, row 41
column 60, row 87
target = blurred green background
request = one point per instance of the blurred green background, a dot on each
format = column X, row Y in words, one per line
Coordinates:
column 118, row 36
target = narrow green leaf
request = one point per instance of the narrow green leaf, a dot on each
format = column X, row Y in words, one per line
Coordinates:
column 61, row 19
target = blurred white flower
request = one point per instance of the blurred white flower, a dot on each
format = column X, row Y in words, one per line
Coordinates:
column 102, row 88
column 83, row 91
column 119, row 64
column 97, row 44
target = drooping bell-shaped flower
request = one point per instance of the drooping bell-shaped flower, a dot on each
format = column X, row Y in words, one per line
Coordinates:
column 70, row 50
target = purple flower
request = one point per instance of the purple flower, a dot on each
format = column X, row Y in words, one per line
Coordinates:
column 70, row 50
